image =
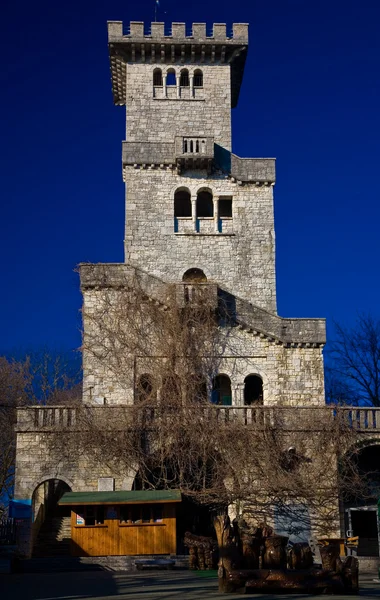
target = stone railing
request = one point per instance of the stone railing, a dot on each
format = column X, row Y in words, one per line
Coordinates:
column 189, row 145
column 50, row 418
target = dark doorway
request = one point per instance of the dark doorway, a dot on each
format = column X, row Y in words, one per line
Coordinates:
column 253, row 390
column 194, row 276
column 193, row 517
column 365, row 525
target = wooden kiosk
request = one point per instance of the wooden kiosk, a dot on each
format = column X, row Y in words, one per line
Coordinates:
column 122, row 523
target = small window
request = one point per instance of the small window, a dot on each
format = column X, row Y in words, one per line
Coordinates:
column 157, row 514
column 205, row 204
column 225, row 207
column 171, row 78
column 184, row 80
column 94, row 515
column 182, row 203
column 198, row 78
column 157, row 77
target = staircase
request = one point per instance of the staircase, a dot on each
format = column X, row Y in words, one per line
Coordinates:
column 53, row 538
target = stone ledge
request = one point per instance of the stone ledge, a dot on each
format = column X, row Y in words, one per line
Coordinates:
column 257, row 171
column 291, row 333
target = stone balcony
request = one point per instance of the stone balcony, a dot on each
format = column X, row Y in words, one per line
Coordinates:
column 198, row 152
column 57, row 418
column 194, row 152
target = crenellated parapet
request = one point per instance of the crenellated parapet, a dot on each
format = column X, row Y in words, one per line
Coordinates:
column 196, row 33
column 178, row 46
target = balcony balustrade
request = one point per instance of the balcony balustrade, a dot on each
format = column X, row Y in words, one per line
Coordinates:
column 194, row 152
column 49, row 418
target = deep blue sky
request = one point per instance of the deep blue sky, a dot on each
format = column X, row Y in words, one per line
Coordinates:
column 310, row 97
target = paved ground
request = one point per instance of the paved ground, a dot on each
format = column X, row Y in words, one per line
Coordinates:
column 107, row 585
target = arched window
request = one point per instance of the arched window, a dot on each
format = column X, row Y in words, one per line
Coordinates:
column 194, row 276
column 157, row 77
column 184, row 80
column 182, row 203
column 198, row 78
column 145, row 390
column 205, row 205
column 170, row 391
column 253, row 390
column 221, row 390
column 171, row 77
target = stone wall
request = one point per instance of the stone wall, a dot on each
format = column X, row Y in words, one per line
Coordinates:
column 285, row 353
column 152, row 118
column 241, row 261
column 48, row 455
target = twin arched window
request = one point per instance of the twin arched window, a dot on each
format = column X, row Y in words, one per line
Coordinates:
column 198, row 78
column 171, row 78
column 182, row 203
column 205, row 204
column 184, row 80
column 157, row 77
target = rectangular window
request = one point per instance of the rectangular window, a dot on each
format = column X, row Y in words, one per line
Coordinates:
column 148, row 513
column 225, row 208
column 91, row 515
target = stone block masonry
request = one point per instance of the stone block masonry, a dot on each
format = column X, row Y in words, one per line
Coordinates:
column 241, row 261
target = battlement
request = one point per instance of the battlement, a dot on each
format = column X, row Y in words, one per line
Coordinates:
column 178, row 46
column 197, row 34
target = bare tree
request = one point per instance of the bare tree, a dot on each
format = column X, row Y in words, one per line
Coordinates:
column 354, row 364
column 38, row 378
column 14, row 382
column 161, row 347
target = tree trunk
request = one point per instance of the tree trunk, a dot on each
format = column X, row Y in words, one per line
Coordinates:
column 227, row 551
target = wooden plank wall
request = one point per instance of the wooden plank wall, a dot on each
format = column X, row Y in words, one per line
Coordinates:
column 117, row 539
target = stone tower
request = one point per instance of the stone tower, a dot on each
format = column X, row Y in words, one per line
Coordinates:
column 195, row 209
column 195, row 212
column 178, row 91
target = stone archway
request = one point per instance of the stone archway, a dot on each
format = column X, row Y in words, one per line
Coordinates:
column 51, row 529
column 361, row 514
column 48, row 493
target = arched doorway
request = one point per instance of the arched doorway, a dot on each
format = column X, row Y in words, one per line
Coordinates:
column 48, row 493
column 194, row 276
column 51, row 528
column 146, row 389
column 361, row 515
column 221, row 390
column 253, row 390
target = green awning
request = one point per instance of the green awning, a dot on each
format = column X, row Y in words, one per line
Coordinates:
column 121, row 497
